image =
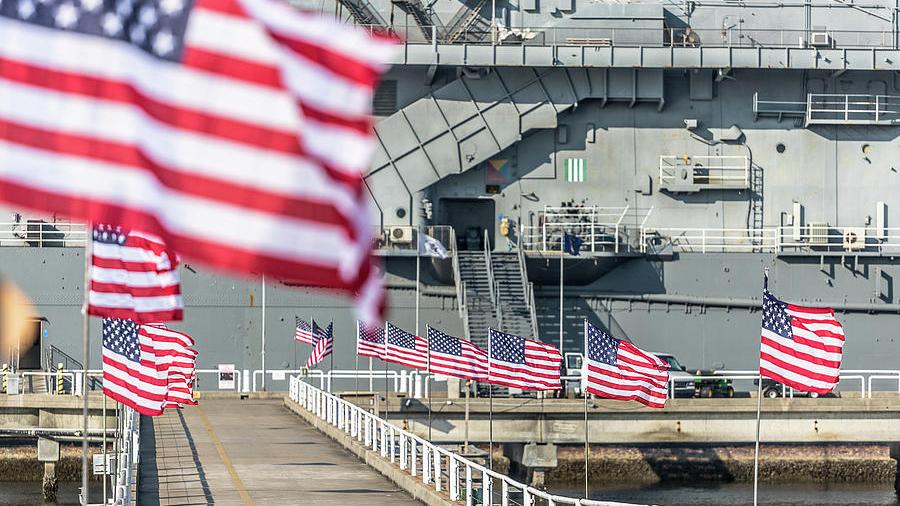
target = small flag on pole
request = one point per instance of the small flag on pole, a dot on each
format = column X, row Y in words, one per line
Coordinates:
column 134, row 276
column 452, row 356
column 323, row 344
column 571, row 244
column 303, row 333
column 404, row 348
column 801, row 347
column 522, row 363
column 616, row 369
column 369, row 340
column 431, row 247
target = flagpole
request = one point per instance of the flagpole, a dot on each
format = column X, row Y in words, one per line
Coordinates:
column 356, row 374
column 385, row 372
column 562, row 255
column 587, row 445
column 371, row 379
column 333, row 350
column 490, row 410
column 758, row 411
column 86, row 343
column 263, row 340
column 428, row 381
column 418, row 262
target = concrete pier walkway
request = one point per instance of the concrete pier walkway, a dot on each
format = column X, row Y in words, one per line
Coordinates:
column 250, row 452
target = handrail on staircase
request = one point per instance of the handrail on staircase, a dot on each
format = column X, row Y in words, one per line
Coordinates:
column 499, row 307
column 527, row 286
column 490, row 269
column 457, row 277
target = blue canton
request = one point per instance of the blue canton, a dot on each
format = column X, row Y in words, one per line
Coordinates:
column 775, row 317
column 303, row 325
column 443, row 343
column 400, row 338
column 108, row 234
column 506, row 347
column 371, row 334
column 121, row 337
column 156, row 27
column 601, row 346
column 318, row 333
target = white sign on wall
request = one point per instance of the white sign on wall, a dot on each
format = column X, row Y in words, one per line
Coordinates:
column 226, row 377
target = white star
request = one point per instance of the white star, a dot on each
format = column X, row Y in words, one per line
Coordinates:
column 171, row 7
column 66, row 15
column 138, row 34
column 163, row 43
column 26, row 9
column 91, row 5
column 124, row 7
column 148, row 15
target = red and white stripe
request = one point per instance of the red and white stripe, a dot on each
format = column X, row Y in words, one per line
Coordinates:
column 137, row 280
column 811, row 361
column 540, row 371
column 322, row 348
column 473, row 364
column 174, row 358
column 99, row 130
column 637, row 376
column 415, row 358
column 369, row 347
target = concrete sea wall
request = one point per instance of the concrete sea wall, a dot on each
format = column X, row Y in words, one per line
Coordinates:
column 857, row 463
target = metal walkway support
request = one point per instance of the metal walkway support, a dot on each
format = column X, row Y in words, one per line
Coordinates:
column 477, row 116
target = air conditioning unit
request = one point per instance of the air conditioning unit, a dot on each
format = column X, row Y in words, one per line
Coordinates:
column 401, row 235
column 817, row 234
column 854, row 239
column 821, row 39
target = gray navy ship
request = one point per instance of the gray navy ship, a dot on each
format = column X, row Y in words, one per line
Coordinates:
column 689, row 145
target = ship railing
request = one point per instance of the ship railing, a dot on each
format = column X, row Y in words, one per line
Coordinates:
column 42, row 234
column 778, row 108
column 687, row 37
column 601, row 229
column 822, row 238
column 704, row 171
column 852, row 109
column 709, row 240
column 440, row 468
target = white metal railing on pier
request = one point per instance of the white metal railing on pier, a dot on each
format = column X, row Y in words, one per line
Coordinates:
column 127, row 459
column 440, row 468
column 698, row 172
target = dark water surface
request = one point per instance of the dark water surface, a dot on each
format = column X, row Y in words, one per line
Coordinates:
column 741, row 494
column 29, row 494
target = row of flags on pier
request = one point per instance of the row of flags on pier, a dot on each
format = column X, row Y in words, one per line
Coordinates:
column 801, row 347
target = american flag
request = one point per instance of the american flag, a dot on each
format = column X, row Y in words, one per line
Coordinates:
column 133, row 276
column 369, row 340
column 131, row 374
column 452, row 356
column 404, row 348
column 522, row 363
column 616, row 369
column 801, row 347
column 323, row 344
column 236, row 130
column 172, row 353
column 303, row 332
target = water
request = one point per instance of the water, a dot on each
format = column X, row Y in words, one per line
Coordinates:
column 741, row 494
column 29, row 494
